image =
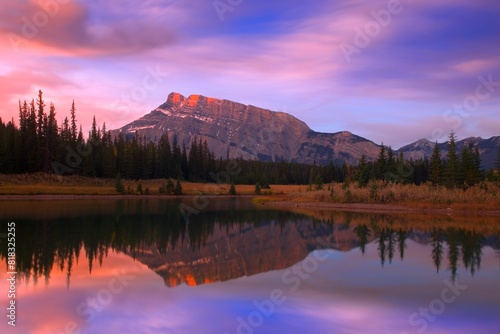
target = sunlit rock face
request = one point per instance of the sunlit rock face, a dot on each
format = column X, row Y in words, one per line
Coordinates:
column 236, row 130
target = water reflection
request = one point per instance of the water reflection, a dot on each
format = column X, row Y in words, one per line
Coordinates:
column 230, row 239
column 457, row 242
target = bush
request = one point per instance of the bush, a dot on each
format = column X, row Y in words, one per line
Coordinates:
column 373, row 192
column 257, row 188
column 232, row 190
column 119, row 184
column 178, row 188
column 167, row 188
column 170, row 189
column 318, row 182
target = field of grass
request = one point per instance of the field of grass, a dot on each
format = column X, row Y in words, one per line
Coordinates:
column 49, row 184
column 484, row 196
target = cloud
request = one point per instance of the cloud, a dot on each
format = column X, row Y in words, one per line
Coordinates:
column 71, row 28
column 263, row 53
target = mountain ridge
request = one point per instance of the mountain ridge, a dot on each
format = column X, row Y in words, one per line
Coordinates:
column 236, row 130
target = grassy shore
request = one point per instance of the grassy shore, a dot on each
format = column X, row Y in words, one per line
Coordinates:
column 378, row 196
column 485, row 195
column 49, row 184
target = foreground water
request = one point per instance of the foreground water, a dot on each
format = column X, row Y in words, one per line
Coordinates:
column 137, row 266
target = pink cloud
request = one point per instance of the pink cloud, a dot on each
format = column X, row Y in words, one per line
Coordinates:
column 69, row 29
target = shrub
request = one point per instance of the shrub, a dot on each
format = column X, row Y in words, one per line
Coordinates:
column 257, row 188
column 170, row 189
column 373, row 192
column 178, row 188
column 119, row 184
column 232, row 190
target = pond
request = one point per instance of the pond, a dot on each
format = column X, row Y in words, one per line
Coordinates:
column 137, row 266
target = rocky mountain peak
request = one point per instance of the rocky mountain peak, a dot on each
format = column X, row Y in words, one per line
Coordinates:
column 175, row 99
column 236, row 130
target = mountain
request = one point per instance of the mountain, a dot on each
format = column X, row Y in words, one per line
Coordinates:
column 236, row 130
column 488, row 149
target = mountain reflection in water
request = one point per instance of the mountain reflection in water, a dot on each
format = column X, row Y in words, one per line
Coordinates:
column 229, row 239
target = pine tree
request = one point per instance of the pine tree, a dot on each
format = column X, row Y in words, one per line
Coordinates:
column 381, row 164
column 312, row 174
column 41, row 104
column 478, row 173
column 402, row 170
column 31, row 153
column 9, row 141
column 318, row 182
column 51, row 139
column 119, row 184
column 65, row 132
column 452, row 162
column 391, row 162
column 94, row 134
column 175, row 165
column 109, row 154
column 178, row 188
column 184, row 163
column 207, row 163
column 436, row 166
column 497, row 163
column 149, row 160
column 194, row 161
column 74, row 127
column 465, row 167
column 363, row 174
column 164, row 158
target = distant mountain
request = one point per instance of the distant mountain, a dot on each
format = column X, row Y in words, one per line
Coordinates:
column 488, row 148
column 236, row 130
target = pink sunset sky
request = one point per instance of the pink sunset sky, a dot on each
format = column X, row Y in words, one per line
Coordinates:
column 390, row 71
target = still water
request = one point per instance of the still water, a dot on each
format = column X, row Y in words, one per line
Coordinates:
column 136, row 266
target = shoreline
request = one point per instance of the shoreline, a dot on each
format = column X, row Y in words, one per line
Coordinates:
column 45, row 197
column 278, row 203
column 378, row 208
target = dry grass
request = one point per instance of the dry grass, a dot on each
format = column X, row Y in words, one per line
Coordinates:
column 484, row 196
column 481, row 196
column 49, row 184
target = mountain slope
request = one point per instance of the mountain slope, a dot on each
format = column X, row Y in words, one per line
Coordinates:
column 235, row 130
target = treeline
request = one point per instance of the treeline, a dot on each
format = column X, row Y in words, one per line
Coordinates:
column 40, row 144
column 456, row 169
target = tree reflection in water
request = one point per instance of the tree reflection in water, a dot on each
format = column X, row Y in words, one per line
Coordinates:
column 56, row 240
